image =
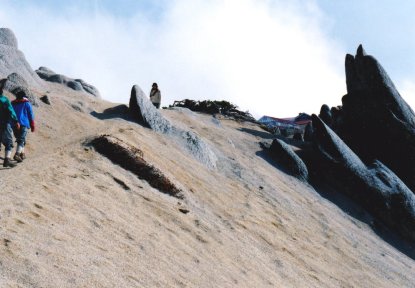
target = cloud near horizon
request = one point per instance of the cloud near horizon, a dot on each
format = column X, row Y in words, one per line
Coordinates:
column 268, row 57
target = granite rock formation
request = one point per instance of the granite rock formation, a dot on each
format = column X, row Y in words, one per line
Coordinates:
column 377, row 122
column 325, row 114
column 13, row 61
column 75, row 84
column 16, row 84
column 375, row 187
column 143, row 111
column 288, row 160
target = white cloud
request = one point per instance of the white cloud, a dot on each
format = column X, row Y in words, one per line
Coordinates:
column 268, row 57
column 406, row 89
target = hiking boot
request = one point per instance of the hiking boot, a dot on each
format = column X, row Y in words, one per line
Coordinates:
column 7, row 163
column 17, row 158
column 22, row 156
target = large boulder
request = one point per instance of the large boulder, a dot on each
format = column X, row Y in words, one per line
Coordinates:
column 17, row 84
column 13, row 61
column 89, row 88
column 143, row 111
column 288, row 161
column 375, row 187
column 377, row 123
column 75, row 84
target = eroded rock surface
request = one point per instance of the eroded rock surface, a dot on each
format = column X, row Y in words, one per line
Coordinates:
column 144, row 112
column 16, row 84
column 13, row 61
column 377, row 122
column 75, row 84
column 375, row 187
column 288, row 160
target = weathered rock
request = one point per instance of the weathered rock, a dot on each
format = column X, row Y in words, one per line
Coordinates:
column 45, row 99
column 17, row 84
column 75, row 84
column 198, row 148
column 374, row 187
column 131, row 159
column 142, row 110
column 13, row 61
column 308, row 132
column 337, row 118
column 288, row 160
column 58, row 78
column 7, row 37
column 89, row 88
column 325, row 114
column 377, row 122
column 298, row 136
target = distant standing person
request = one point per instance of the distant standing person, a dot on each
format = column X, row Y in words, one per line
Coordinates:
column 26, row 118
column 155, row 95
column 7, row 119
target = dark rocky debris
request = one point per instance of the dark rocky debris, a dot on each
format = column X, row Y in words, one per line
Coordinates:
column 45, row 99
column 131, row 159
column 215, row 107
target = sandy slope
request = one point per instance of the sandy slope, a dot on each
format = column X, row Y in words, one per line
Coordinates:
column 65, row 221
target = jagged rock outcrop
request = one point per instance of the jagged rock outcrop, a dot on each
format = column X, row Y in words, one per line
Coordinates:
column 13, row 61
column 377, row 122
column 143, row 111
column 308, row 132
column 75, row 84
column 325, row 114
column 375, row 187
column 131, row 159
column 288, row 161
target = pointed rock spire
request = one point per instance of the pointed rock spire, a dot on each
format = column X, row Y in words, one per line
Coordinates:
column 360, row 51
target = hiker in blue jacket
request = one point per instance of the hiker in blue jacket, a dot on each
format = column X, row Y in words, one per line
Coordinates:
column 26, row 119
column 7, row 120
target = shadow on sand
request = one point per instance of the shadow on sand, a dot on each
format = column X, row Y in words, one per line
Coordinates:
column 256, row 133
column 120, row 111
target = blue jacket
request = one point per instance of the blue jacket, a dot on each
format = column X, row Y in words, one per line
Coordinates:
column 24, row 112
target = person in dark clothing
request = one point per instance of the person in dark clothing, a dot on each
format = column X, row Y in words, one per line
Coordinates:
column 155, row 95
column 26, row 119
column 8, row 119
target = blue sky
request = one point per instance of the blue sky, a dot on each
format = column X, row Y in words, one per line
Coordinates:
column 275, row 57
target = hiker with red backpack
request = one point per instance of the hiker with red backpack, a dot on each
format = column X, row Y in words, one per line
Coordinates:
column 26, row 119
